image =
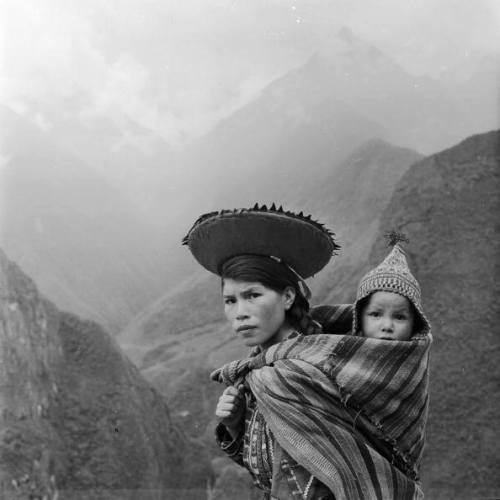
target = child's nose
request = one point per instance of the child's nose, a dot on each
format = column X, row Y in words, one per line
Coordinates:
column 387, row 325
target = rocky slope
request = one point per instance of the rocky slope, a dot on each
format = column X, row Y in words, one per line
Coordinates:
column 77, row 420
column 416, row 111
column 180, row 338
column 313, row 117
column 448, row 204
column 87, row 246
column 318, row 113
column 100, row 232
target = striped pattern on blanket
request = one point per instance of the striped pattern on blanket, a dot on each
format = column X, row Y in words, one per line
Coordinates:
column 307, row 389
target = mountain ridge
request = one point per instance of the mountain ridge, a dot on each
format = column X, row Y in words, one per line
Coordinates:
column 77, row 420
column 446, row 203
column 82, row 240
column 448, row 206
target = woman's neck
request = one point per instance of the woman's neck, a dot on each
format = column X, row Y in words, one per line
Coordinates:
column 282, row 334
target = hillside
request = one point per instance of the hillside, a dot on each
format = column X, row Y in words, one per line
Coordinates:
column 290, row 134
column 272, row 146
column 77, row 420
column 315, row 115
column 87, row 246
column 180, row 338
column 93, row 206
column 448, row 205
column 348, row 197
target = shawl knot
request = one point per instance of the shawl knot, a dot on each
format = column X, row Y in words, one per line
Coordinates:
column 232, row 373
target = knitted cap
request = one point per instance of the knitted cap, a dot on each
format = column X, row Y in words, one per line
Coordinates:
column 391, row 275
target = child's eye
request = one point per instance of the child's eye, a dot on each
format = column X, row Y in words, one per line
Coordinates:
column 375, row 314
column 400, row 317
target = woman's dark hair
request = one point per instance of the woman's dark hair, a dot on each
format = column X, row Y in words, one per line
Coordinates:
column 277, row 276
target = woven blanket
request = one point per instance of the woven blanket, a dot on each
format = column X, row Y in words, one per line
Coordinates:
column 307, row 389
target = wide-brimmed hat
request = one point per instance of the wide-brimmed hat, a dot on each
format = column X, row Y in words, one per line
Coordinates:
column 301, row 243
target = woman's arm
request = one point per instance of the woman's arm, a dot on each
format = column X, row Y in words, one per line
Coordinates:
column 231, row 409
column 230, row 430
column 232, row 447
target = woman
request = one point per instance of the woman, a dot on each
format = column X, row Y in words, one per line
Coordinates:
column 295, row 412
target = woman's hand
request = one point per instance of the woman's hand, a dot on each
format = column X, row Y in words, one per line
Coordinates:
column 231, row 409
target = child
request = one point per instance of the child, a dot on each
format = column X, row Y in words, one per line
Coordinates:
column 388, row 303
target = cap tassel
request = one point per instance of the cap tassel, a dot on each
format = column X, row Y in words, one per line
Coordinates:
column 394, row 237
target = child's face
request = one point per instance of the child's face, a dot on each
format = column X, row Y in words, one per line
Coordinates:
column 388, row 316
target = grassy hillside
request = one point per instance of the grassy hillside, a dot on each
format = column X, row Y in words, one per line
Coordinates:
column 78, row 421
column 448, row 204
column 87, row 246
column 179, row 339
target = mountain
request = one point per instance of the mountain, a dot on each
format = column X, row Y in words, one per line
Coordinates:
column 418, row 112
column 476, row 87
column 181, row 337
column 113, row 198
column 77, row 420
column 447, row 204
column 130, row 157
column 270, row 148
column 90, row 249
column 314, row 116
column 350, row 199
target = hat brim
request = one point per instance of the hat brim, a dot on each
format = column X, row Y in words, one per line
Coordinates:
column 303, row 244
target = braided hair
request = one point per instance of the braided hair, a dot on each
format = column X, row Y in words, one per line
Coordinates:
column 277, row 276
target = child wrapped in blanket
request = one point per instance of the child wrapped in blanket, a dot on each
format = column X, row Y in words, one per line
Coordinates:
column 345, row 412
column 388, row 301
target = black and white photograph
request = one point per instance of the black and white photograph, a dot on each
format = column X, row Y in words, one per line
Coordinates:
column 249, row 249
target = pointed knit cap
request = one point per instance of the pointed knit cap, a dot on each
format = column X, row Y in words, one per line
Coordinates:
column 392, row 275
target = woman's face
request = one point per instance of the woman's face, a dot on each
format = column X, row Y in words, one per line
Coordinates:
column 257, row 313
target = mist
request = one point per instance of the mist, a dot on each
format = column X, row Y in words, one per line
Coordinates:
column 121, row 122
column 177, row 68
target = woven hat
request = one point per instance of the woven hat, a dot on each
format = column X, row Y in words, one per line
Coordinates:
column 301, row 243
column 391, row 275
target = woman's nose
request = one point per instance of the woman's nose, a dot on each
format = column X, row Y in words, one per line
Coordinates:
column 241, row 312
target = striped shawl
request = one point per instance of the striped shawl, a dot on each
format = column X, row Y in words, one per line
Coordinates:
column 310, row 387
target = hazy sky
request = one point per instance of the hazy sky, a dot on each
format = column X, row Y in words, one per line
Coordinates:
column 174, row 65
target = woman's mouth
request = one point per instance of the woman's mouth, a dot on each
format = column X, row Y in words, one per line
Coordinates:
column 245, row 329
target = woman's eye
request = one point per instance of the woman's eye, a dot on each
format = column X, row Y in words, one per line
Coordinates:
column 228, row 302
column 254, row 295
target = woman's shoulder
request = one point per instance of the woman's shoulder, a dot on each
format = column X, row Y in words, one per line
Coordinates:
column 336, row 318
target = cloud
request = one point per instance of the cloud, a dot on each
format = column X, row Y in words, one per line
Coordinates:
column 51, row 54
column 424, row 35
column 175, row 66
